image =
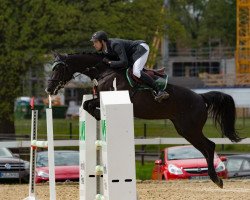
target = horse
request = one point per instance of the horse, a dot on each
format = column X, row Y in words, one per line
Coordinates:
column 187, row 110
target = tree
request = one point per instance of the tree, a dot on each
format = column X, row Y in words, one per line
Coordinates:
column 29, row 30
column 202, row 20
column 219, row 22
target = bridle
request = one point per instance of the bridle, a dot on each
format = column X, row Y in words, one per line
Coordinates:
column 60, row 65
column 61, row 82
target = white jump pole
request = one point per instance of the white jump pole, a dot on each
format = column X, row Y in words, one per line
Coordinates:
column 51, row 159
column 88, row 154
column 119, row 180
column 43, row 144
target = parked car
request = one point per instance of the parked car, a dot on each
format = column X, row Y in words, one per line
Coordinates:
column 238, row 166
column 12, row 167
column 185, row 162
column 66, row 166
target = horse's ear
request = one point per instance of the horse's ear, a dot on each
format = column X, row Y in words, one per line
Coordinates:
column 58, row 56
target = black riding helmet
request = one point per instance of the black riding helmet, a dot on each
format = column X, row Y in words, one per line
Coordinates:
column 99, row 35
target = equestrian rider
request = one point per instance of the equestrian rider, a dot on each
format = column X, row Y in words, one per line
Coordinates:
column 122, row 53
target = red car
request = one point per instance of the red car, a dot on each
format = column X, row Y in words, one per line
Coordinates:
column 66, row 166
column 185, row 162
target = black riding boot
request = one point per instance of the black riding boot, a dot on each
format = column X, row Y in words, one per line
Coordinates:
column 159, row 94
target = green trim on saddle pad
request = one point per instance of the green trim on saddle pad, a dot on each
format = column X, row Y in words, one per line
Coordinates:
column 161, row 82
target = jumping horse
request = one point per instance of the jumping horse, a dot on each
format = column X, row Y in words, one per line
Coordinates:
column 186, row 109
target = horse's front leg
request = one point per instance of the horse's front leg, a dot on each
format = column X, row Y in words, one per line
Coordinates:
column 93, row 108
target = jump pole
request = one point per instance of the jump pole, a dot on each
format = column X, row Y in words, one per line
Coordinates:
column 118, row 153
column 42, row 144
column 51, row 159
column 90, row 183
column 116, row 148
column 33, row 137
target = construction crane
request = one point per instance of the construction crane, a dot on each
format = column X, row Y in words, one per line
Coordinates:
column 242, row 56
column 154, row 50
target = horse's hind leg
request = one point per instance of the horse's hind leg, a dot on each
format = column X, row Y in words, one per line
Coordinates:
column 210, row 148
column 195, row 136
column 206, row 147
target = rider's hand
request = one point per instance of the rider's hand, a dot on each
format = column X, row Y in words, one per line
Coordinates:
column 106, row 61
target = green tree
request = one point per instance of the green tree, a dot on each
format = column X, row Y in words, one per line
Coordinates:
column 219, row 22
column 30, row 29
column 199, row 21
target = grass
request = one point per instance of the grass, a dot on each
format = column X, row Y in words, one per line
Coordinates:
column 69, row 129
column 154, row 128
column 143, row 172
column 63, row 128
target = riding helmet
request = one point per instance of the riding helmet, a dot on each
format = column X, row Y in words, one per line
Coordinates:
column 99, row 35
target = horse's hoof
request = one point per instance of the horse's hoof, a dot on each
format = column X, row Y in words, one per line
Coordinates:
column 219, row 183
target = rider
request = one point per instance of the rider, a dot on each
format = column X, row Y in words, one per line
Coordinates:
column 122, row 53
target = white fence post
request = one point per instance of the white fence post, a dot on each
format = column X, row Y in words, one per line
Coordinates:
column 87, row 139
column 34, row 143
column 119, row 180
column 51, row 155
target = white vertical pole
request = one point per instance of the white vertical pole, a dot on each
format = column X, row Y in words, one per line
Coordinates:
column 87, row 138
column 114, row 84
column 51, row 159
column 119, row 181
column 50, row 102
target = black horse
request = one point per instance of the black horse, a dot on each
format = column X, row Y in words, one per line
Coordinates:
column 186, row 109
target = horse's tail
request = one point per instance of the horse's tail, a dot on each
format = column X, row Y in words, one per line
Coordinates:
column 222, row 109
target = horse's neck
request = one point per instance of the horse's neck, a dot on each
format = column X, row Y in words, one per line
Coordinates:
column 96, row 70
column 107, row 78
column 86, row 64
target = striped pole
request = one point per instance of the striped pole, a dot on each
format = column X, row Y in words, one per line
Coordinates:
column 34, row 120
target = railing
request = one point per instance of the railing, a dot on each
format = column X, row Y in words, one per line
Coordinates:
column 149, row 141
column 225, row 80
column 140, row 154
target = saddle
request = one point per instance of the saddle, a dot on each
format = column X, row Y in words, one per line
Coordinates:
column 158, row 75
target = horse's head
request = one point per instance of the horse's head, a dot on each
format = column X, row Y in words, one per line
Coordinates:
column 64, row 68
column 61, row 74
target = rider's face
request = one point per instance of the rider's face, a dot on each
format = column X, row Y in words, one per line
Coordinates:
column 98, row 45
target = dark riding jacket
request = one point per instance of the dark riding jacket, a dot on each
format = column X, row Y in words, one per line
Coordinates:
column 123, row 53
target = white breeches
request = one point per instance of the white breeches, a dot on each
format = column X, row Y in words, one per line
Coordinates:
column 140, row 62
